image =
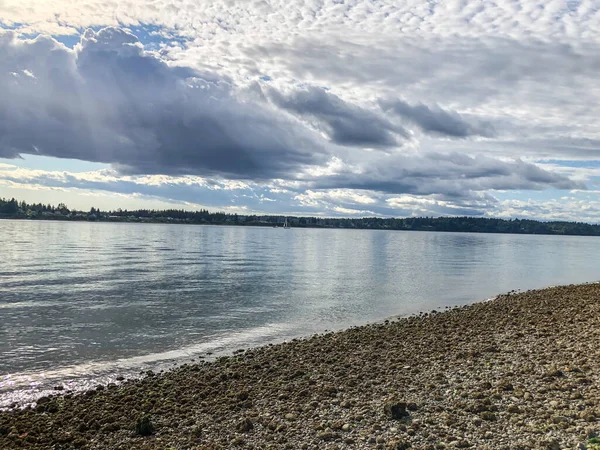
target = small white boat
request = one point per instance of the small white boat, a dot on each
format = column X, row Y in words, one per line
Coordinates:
column 286, row 224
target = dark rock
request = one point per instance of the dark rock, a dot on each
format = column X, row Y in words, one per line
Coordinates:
column 242, row 396
column 588, row 416
column 398, row 444
column 238, row 441
column 110, row 427
column 326, row 435
column 197, row 431
column 49, row 407
column 43, row 400
column 144, row 426
column 552, row 445
column 487, row 415
column 491, row 349
column 245, row 425
column 554, row 374
column 395, row 409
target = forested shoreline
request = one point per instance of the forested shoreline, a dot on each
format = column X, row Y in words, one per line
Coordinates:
column 14, row 209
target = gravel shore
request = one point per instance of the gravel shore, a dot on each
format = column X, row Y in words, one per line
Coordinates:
column 521, row 371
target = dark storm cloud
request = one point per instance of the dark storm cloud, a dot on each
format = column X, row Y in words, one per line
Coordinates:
column 435, row 120
column 110, row 101
column 455, row 175
column 344, row 123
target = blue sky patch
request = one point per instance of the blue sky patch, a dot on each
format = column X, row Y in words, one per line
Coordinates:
column 35, row 162
column 151, row 36
column 583, row 164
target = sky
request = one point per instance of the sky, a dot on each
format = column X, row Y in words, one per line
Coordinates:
column 339, row 108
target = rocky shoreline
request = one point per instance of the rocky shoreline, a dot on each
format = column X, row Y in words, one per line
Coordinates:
column 519, row 372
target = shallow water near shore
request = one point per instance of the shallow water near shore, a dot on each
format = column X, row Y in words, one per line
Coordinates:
column 81, row 303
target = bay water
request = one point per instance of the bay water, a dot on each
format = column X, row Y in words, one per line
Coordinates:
column 82, row 302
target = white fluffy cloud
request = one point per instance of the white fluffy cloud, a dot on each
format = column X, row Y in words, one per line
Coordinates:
column 522, row 18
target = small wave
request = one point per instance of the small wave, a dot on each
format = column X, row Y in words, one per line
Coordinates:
column 29, row 304
column 30, row 271
column 23, row 388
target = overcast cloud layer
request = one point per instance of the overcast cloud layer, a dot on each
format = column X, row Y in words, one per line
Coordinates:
column 361, row 108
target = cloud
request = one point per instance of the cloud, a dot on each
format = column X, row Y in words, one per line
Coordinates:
column 273, row 20
column 499, row 87
column 438, row 205
column 454, row 174
column 437, row 121
column 191, row 189
column 336, row 196
column 109, row 189
column 578, row 208
column 344, row 123
column 110, row 101
column 522, row 76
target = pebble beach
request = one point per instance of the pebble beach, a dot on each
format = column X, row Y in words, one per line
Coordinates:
column 521, row 371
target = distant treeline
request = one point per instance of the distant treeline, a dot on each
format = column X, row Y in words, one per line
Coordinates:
column 13, row 209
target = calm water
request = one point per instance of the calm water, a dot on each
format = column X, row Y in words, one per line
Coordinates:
column 83, row 302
